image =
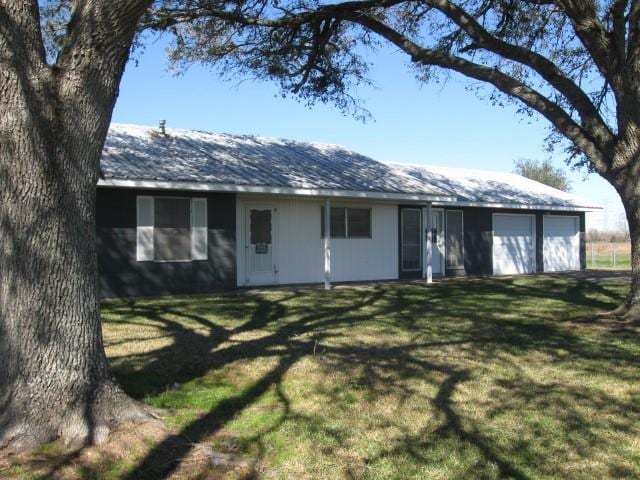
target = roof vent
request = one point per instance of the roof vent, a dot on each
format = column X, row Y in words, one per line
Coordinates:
column 162, row 124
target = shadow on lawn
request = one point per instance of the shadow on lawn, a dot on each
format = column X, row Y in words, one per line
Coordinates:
column 471, row 315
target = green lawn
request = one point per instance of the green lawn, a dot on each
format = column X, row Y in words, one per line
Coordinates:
column 599, row 255
column 488, row 378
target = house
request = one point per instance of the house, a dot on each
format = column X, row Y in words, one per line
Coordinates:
column 193, row 212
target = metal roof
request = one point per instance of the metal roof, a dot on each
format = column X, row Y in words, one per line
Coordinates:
column 141, row 153
column 139, row 156
column 498, row 189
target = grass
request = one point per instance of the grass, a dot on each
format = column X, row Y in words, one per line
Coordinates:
column 491, row 378
column 599, row 255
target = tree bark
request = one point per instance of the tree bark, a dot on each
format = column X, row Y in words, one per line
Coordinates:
column 630, row 194
column 54, row 376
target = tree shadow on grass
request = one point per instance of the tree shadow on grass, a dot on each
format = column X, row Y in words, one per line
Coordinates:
column 471, row 316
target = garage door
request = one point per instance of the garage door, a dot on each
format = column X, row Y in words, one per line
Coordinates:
column 513, row 244
column 561, row 244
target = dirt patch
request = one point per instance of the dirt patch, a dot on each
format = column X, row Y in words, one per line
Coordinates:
column 126, row 448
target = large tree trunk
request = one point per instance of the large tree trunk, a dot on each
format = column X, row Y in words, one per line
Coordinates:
column 630, row 194
column 54, row 376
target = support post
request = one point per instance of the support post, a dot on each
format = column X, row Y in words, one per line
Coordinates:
column 428, row 228
column 327, row 244
column 613, row 253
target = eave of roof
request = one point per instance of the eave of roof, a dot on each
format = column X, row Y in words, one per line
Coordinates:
column 494, row 189
column 263, row 189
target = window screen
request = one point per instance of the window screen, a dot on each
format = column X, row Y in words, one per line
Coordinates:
column 454, row 240
column 260, row 227
column 172, row 229
column 337, row 220
column 411, row 239
column 359, row 222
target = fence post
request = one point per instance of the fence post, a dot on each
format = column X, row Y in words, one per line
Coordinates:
column 614, row 254
column 593, row 255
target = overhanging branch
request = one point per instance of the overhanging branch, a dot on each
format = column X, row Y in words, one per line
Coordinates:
column 594, row 36
column 561, row 120
column 591, row 118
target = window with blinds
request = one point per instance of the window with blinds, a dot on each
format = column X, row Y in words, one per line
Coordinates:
column 171, row 229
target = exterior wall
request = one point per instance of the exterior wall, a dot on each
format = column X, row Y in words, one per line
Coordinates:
column 478, row 241
column 121, row 275
column 300, row 250
column 478, row 238
column 583, row 241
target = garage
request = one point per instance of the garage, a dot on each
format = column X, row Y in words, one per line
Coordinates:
column 513, row 244
column 561, row 243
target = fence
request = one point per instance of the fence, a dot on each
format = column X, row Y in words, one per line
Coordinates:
column 608, row 255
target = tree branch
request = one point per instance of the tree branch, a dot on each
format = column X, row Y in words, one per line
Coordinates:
column 633, row 52
column 503, row 82
column 618, row 28
column 594, row 36
column 591, row 118
column 20, row 33
column 95, row 51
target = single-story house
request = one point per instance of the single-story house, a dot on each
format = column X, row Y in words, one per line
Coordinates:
column 186, row 212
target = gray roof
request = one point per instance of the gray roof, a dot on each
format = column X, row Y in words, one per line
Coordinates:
column 141, row 155
column 495, row 188
column 134, row 152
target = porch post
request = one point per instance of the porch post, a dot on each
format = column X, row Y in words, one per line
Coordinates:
column 327, row 244
column 427, row 267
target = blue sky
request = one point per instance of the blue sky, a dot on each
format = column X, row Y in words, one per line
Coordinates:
column 439, row 124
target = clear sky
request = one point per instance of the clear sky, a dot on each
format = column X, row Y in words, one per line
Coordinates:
column 439, row 124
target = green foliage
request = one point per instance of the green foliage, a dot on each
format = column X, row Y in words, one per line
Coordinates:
column 544, row 172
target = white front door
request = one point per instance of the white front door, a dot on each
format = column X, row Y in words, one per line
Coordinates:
column 561, row 243
column 261, row 244
column 437, row 241
column 513, row 244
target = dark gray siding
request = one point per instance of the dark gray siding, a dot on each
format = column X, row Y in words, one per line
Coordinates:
column 121, row 275
column 478, row 242
column 478, row 239
column 583, row 241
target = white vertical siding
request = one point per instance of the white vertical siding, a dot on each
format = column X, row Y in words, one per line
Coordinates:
column 374, row 258
column 300, row 246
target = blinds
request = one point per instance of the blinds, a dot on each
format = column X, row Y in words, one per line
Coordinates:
column 171, row 229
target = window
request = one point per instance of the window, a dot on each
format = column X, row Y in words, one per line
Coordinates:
column 260, row 227
column 171, row 229
column 348, row 222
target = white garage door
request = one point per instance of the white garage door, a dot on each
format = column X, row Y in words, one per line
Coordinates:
column 561, row 244
column 513, row 244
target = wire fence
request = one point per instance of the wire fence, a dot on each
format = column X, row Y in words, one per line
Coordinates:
column 609, row 255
